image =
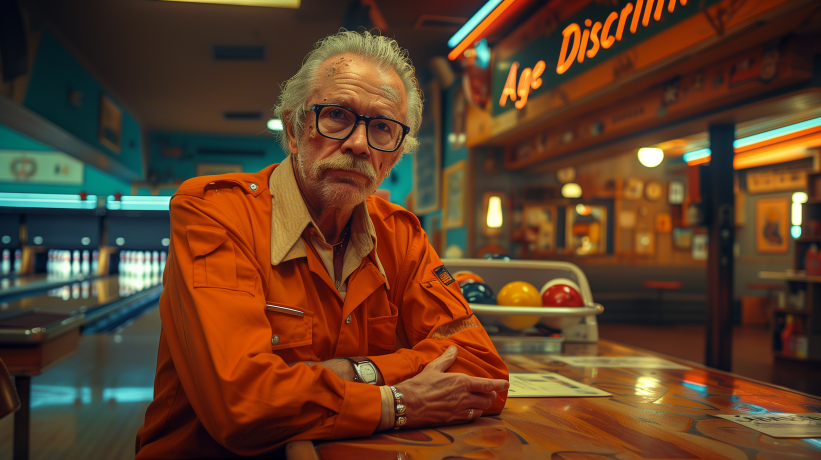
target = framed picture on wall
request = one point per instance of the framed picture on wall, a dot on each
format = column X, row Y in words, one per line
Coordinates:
column 427, row 160
column 772, row 219
column 586, row 229
column 111, row 124
column 540, row 228
column 454, row 183
column 213, row 169
column 645, row 242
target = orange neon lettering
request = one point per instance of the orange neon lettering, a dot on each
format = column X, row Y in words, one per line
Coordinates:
column 683, row 2
column 510, row 85
column 636, row 15
column 647, row 11
column 594, row 36
column 535, row 77
column 659, row 7
column 566, row 60
column 524, row 88
column 585, row 36
column 606, row 40
column 623, row 20
column 671, row 6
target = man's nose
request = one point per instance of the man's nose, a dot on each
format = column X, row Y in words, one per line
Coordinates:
column 357, row 142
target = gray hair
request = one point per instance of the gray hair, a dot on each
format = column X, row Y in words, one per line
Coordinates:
column 383, row 51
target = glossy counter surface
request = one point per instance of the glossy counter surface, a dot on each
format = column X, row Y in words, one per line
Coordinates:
column 652, row 414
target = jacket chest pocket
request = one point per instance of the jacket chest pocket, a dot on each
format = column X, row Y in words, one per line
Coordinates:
column 382, row 332
column 215, row 260
column 291, row 331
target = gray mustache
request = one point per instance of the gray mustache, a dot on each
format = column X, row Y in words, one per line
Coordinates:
column 347, row 163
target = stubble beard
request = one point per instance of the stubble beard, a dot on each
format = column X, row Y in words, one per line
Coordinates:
column 327, row 190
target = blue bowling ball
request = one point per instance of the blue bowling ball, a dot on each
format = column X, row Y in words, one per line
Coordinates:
column 478, row 293
column 504, row 257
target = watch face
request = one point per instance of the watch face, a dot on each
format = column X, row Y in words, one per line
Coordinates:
column 367, row 372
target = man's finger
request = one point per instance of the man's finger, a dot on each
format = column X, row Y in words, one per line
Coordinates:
column 479, row 384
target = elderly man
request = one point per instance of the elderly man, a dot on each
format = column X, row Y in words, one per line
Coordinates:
column 296, row 306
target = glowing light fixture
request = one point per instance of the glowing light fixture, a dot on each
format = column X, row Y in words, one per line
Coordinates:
column 582, row 210
column 778, row 132
column 275, row 124
column 695, row 155
column 483, row 22
column 795, row 231
column 651, row 157
column 473, row 22
column 494, row 212
column 571, row 190
column 797, row 199
column 268, row 3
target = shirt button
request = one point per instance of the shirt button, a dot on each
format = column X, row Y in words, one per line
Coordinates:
column 253, row 187
column 348, row 319
column 274, row 340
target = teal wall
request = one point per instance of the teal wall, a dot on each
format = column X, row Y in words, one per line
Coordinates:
column 188, row 145
column 56, row 74
column 457, row 236
column 95, row 182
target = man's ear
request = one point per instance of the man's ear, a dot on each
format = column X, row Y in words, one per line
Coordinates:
column 292, row 145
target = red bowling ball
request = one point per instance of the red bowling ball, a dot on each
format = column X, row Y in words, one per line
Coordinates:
column 562, row 295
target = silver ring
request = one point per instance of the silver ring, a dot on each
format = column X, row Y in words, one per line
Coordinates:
column 470, row 414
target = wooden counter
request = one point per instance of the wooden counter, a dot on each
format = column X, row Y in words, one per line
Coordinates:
column 653, row 414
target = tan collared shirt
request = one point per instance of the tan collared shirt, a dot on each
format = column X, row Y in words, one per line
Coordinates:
column 290, row 219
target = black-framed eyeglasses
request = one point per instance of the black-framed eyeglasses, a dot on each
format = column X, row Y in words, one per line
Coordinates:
column 338, row 122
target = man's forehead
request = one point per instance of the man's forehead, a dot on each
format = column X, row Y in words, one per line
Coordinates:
column 336, row 65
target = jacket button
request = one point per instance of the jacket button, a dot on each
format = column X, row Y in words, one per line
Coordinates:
column 348, row 319
column 274, row 340
column 253, row 187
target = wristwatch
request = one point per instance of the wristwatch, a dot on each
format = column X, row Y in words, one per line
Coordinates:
column 365, row 371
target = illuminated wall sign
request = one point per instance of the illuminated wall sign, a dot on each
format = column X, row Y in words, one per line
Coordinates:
column 595, row 33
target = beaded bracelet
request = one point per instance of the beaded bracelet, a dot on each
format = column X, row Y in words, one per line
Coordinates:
column 399, row 408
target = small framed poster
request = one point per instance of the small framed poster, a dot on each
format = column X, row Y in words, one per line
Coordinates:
column 772, row 219
column 111, row 124
column 664, row 223
column 213, row 169
column 644, row 242
column 633, row 189
column 700, row 247
column 675, row 192
column 453, row 211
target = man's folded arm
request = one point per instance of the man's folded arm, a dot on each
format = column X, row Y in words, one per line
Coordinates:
column 247, row 397
column 433, row 316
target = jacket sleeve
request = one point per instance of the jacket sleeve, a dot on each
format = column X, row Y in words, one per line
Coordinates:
column 433, row 316
column 213, row 314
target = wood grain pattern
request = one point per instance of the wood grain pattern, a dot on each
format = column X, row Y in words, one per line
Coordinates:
column 653, row 414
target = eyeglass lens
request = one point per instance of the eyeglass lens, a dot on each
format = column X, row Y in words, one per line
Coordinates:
column 339, row 122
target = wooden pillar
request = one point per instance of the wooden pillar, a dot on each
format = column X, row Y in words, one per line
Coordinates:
column 720, row 215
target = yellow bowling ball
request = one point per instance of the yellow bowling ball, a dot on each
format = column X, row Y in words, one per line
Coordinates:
column 519, row 294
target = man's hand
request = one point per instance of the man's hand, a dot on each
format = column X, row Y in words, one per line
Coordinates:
column 436, row 398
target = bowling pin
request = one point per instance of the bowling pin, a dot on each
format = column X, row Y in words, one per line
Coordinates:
column 155, row 263
column 95, row 261
column 65, row 265
column 75, row 263
column 147, row 266
column 6, row 266
column 50, row 262
column 18, row 261
column 85, row 267
column 162, row 262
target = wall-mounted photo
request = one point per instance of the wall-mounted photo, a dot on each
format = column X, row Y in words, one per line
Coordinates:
column 540, row 228
column 772, row 218
column 111, row 124
column 587, row 229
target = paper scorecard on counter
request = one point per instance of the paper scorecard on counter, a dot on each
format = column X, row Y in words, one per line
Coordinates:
column 780, row 425
column 634, row 362
column 548, row 385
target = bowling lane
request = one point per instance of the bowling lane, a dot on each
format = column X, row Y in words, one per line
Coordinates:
column 82, row 297
column 92, row 405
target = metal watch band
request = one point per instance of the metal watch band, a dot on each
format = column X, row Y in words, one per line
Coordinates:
column 399, row 408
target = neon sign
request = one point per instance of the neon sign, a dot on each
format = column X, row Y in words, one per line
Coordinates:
column 586, row 43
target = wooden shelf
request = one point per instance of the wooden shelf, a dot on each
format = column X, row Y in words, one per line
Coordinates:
column 791, row 310
column 797, row 275
column 809, row 239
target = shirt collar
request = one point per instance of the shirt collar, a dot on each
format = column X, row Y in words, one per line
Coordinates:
column 290, row 218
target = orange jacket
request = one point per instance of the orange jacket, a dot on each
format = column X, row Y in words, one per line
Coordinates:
column 222, row 388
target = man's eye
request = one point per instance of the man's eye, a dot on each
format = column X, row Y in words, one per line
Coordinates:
column 337, row 113
column 382, row 126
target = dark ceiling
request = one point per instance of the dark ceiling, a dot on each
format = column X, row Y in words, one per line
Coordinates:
column 156, row 56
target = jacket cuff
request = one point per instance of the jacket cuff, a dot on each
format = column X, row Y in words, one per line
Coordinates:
column 395, row 367
column 361, row 411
